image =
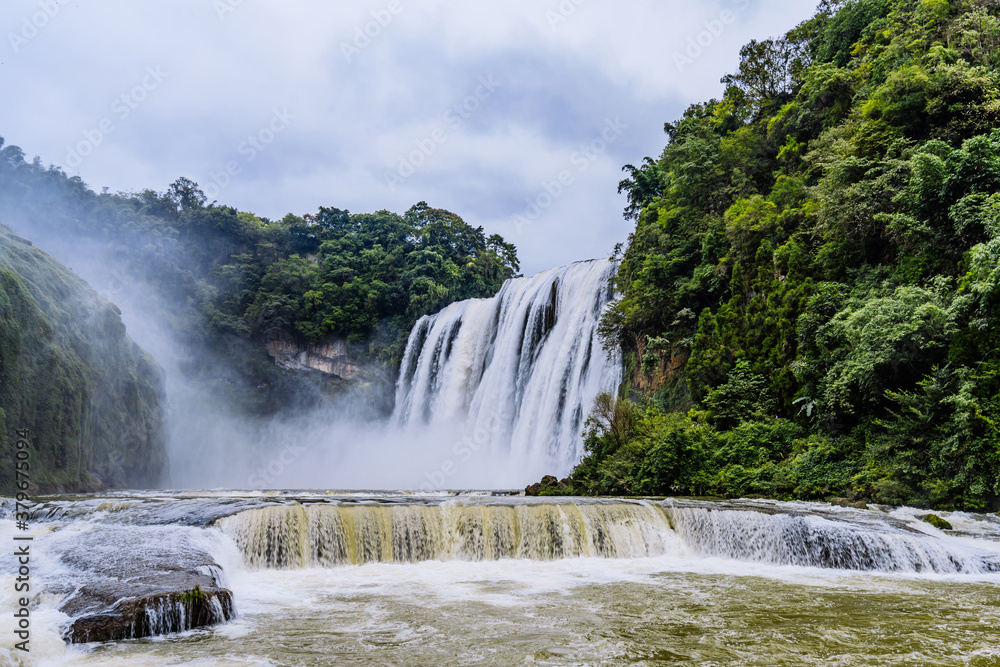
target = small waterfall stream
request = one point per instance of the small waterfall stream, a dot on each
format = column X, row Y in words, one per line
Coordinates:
column 330, row 535
column 817, row 541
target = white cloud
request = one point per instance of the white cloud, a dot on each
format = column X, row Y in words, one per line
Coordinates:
column 353, row 120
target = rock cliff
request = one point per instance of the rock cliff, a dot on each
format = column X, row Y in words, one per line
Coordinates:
column 90, row 398
column 330, row 357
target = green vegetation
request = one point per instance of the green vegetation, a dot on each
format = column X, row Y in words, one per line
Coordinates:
column 218, row 282
column 89, row 397
column 193, row 599
column 811, row 296
column 225, row 281
column 937, row 522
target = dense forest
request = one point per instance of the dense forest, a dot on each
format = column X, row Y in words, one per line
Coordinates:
column 227, row 281
column 811, row 296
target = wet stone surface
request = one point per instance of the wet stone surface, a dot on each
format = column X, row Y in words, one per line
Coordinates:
column 129, row 582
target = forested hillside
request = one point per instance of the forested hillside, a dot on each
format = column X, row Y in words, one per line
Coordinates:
column 90, row 399
column 226, row 281
column 811, row 296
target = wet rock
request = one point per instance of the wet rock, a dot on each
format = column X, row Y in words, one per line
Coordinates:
column 532, row 489
column 136, row 581
column 936, row 521
column 846, row 502
column 150, row 615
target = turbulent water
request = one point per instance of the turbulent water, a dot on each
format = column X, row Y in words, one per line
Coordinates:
column 521, row 369
column 398, row 579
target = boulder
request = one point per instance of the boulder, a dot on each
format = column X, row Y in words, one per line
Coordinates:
column 131, row 581
column 845, row 502
column 936, row 521
column 151, row 615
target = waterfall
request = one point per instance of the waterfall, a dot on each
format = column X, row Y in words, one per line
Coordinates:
column 520, row 370
column 165, row 615
column 816, row 541
column 288, row 536
column 330, row 535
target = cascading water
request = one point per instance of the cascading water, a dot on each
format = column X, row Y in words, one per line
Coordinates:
column 398, row 578
column 521, row 370
column 330, row 535
column 817, row 541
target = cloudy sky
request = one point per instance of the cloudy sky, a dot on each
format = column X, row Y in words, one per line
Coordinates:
column 516, row 114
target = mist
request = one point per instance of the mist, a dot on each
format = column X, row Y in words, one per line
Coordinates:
column 212, row 441
column 484, row 410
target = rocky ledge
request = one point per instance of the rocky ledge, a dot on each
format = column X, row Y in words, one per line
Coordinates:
column 137, row 581
column 330, row 357
column 151, row 615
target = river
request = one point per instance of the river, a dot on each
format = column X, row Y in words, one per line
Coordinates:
column 330, row 578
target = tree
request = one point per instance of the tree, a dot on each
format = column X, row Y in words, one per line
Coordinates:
column 186, row 194
column 766, row 73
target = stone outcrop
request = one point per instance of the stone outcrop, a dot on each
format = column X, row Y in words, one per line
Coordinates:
column 330, row 357
column 130, row 581
column 152, row 615
column 847, row 502
column 550, row 486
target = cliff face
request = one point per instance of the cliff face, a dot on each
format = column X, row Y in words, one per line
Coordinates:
column 330, row 357
column 89, row 396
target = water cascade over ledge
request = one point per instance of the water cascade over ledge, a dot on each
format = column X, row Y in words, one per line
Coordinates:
column 328, row 535
column 521, row 370
column 149, row 563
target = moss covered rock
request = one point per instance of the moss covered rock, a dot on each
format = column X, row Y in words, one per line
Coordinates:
column 847, row 502
column 937, row 522
column 90, row 398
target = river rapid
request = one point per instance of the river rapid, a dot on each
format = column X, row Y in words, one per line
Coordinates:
column 373, row 578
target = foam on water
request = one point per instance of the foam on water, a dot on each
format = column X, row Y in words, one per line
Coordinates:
column 389, row 567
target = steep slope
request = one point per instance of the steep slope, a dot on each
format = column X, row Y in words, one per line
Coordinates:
column 809, row 298
column 89, row 396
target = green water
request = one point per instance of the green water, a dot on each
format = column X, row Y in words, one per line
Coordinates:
column 547, row 614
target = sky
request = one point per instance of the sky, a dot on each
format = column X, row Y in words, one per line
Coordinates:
column 517, row 115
